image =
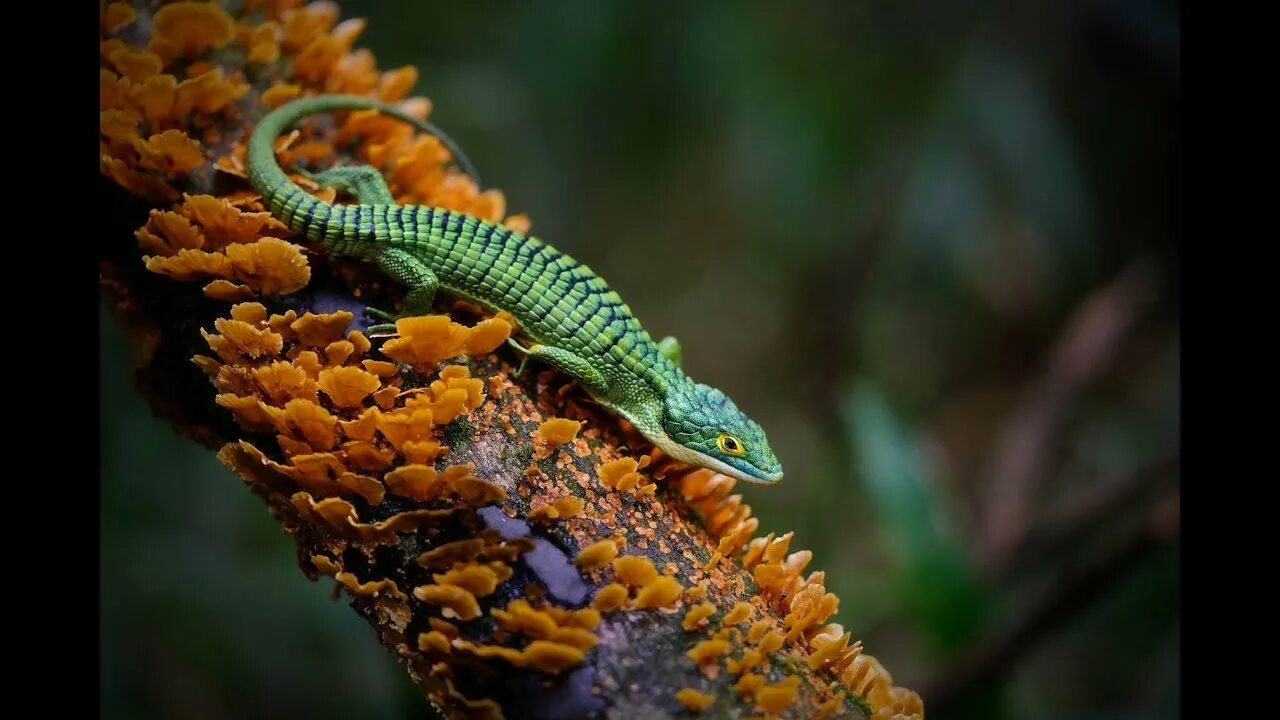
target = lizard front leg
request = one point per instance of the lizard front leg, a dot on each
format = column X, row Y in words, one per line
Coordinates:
column 669, row 348
column 573, row 365
column 363, row 182
column 401, row 266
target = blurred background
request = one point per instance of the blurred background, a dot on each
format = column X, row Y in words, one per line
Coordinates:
column 931, row 248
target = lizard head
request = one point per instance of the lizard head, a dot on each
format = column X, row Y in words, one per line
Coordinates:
column 703, row 427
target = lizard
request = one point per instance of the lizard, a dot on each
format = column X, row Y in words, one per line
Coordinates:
column 569, row 317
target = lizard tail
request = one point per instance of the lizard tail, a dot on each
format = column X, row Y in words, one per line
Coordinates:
column 286, row 199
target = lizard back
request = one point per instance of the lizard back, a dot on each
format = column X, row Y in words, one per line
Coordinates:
column 556, row 300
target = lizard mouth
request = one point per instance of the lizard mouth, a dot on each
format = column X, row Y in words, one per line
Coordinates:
column 746, row 473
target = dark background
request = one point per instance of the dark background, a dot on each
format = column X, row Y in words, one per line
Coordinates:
column 929, row 247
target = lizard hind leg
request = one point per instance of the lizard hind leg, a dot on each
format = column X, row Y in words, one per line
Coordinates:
column 363, row 182
column 571, row 364
column 401, row 266
column 669, row 347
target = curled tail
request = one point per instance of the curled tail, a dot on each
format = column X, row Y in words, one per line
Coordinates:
column 285, row 198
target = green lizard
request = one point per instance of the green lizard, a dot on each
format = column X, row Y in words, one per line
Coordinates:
column 573, row 321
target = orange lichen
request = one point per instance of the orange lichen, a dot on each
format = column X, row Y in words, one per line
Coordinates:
column 694, row 700
column 264, row 47
column 900, row 704
column 487, row 546
column 749, row 684
column 697, row 615
column 569, row 506
column 209, row 92
column 572, row 628
column 187, row 29
column 434, row 640
column 337, row 353
column 610, row 597
column 751, row 657
column 488, row 335
column 758, row 629
column 248, row 411
column 190, row 264
column 118, row 14
column 458, row 601
column 771, row 641
column 412, row 481
column 479, row 580
column 811, row 606
column 552, row 657
column 596, row 555
column 635, row 570
column 565, row 507
column 777, row 697
column 828, row 645
column 282, row 381
column 319, row 330
column 238, row 339
column 830, row 706
column 740, row 613
column 621, row 473
column 404, row 426
column 708, row 651
column 303, row 25
column 372, row 588
column 697, row 592
column 365, row 456
column 171, row 153
column 133, row 63
column 428, row 339
column 348, row 386
column 314, row 63
column 472, row 490
column 305, row 420
column 662, row 592
column 227, row 291
column 395, row 84
column 267, row 265
column 279, row 94
column 422, row 451
column 270, row 266
column 511, row 655
column 141, row 184
column 224, row 223
column 558, row 431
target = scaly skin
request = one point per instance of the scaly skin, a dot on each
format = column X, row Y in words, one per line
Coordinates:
column 571, row 318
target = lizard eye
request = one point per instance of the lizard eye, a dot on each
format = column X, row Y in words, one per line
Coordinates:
column 730, row 445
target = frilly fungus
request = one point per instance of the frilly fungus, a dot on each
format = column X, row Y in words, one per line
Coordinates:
column 521, row 551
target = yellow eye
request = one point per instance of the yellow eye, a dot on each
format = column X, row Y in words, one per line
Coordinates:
column 730, row 445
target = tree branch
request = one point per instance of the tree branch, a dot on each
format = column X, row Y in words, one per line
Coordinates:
column 516, row 567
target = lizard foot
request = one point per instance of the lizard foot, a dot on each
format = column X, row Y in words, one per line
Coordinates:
column 384, row 315
column 522, row 351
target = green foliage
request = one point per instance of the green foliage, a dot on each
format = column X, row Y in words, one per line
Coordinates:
column 933, row 575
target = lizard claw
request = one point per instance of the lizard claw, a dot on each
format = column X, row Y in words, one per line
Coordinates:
column 375, row 312
column 523, row 352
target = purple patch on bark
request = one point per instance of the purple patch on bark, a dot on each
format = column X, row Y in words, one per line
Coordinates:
column 547, row 562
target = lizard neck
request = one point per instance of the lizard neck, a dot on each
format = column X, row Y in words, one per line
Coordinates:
column 643, row 404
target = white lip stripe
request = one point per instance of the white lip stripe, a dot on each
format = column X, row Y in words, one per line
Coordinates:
column 693, row 457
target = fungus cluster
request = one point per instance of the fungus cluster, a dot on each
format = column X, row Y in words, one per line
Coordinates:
column 507, row 539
